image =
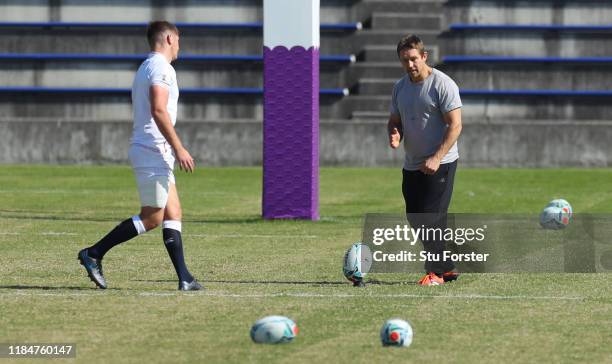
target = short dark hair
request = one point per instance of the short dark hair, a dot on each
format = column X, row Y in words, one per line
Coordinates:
column 410, row 41
column 157, row 29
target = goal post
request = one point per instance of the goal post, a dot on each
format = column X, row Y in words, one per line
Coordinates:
column 291, row 110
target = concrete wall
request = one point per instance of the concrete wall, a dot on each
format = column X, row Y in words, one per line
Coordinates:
column 533, row 109
column 147, row 10
column 478, row 108
column 133, row 41
column 102, row 107
column 526, row 75
column 526, row 43
column 547, row 144
column 508, row 144
column 532, row 131
column 120, row 74
column 569, row 12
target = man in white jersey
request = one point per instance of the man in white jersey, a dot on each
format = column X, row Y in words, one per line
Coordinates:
column 154, row 148
column 426, row 113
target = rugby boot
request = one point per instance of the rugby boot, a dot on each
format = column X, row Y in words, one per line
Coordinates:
column 450, row 276
column 190, row 286
column 93, row 267
column 431, row 279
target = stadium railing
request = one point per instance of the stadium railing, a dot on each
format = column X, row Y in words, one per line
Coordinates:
column 461, row 59
column 532, row 27
column 126, row 91
column 252, row 25
column 506, row 59
column 139, row 57
column 327, row 91
column 523, row 93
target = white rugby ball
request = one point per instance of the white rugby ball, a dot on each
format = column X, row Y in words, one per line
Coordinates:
column 554, row 218
column 274, row 330
column 396, row 332
column 357, row 262
column 563, row 205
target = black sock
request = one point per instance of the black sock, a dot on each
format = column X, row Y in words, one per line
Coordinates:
column 121, row 233
column 174, row 245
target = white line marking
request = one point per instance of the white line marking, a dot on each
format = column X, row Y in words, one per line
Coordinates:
column 398, row 295
column 58, row 233
column 44, row 233
column 58, row 191
column 294, row 295
column 249, row 236
column 85, row 192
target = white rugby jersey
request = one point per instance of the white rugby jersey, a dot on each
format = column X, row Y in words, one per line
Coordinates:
column 155, row 70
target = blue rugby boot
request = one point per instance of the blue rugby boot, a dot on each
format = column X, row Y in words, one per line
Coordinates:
column 190, row 286
column 93, row 267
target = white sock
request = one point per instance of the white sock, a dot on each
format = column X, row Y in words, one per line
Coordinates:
column 172, row 224
column 140, row 228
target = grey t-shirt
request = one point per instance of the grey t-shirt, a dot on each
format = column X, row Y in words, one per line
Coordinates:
column 421, row 107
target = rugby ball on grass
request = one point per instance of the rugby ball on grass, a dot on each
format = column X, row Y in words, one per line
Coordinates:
column 274, row 330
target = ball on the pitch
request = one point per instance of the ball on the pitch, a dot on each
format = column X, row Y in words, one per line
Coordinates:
column 274, row 330
column 563, row 205
column 554, row 218
column 357, row 262
column 396, row 332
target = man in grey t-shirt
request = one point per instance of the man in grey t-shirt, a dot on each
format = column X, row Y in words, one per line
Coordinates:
column 426, row 114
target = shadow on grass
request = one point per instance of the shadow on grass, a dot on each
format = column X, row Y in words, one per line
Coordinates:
column 314, row 283
column 35, row 215
column 49, row 288
column 393, row 283
column 246, row 219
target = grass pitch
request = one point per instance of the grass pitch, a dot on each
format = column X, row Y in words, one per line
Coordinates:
column 253, row 268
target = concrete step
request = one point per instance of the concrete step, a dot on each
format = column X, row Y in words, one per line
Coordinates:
column 397, row 20
column 111, row 107
column 365, row 8
column 530, row 76
column 103, row 107
column 378, row 116
column 128, row 41
column 375, row 86
column 392, row 36
column 378, row 53
column 390, row 70
column 503, row 107
column 135, row 11
column 534, row 108
column 120, row 74
column 532, row 12
column 146, row 10
column 366, row 103
column 525, row 43
column 388, row 53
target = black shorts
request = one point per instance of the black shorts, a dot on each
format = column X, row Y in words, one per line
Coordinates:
column 427, row 199
column 429, row 193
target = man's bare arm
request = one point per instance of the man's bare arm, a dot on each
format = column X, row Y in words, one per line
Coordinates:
column 453, row 119
column 159, row 100
column 394, row 130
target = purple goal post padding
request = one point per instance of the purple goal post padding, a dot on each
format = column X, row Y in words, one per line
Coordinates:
column 291, row 133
